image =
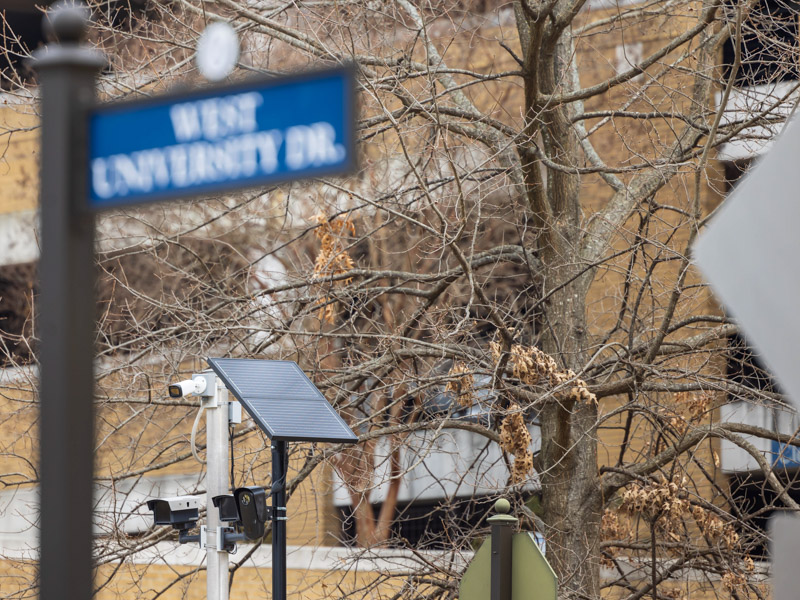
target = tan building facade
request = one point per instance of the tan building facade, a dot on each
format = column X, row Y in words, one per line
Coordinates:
column 156, row 431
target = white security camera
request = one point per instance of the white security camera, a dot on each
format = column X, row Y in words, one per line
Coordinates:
column 196, row 385
column 182, row 512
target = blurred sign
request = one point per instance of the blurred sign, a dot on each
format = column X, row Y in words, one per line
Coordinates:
column 532, row 578
column 747, row 252
column 785, row 548
column 222, row 139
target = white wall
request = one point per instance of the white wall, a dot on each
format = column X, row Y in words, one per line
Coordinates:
column 736, row 460
column 774, row 99
column 18, row 242
column 124, row 508
column 446, row 464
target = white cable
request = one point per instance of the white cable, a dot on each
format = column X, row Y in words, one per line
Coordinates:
column 194, row 435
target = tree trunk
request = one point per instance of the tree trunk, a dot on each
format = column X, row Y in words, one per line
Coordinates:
column 568, row 461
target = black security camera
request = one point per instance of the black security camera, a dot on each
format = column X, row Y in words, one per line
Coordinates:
column 182, row 512
column 247, row 508
column 252, row 505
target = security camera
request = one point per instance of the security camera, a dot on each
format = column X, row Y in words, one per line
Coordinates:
column 196, row 385
column 182, row 512
column 252, row 505
column 228, row 509
column 246, row 508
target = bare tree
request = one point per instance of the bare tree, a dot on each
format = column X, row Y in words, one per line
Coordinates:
column 514, row 256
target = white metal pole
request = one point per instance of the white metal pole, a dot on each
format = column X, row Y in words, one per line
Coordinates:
column 216, row 485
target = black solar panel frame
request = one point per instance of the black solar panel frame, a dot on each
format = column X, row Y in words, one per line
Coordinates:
column 277, row 431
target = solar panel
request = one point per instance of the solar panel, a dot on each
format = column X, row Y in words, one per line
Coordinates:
column 282, row 400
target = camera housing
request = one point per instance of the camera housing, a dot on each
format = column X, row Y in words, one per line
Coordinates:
column 198, row 385
column 181, row 512
column 247, row 508
column 252, row 505
column 228, row 510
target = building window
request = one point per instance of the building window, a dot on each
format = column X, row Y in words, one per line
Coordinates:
column 769, row 44
column 764, row 93
column 426, row 525
column 745, row 369
column 21, row 31
column 449, row 480
column 734, row 171
column 753, row 496
column 20, row 34
column 16, row 313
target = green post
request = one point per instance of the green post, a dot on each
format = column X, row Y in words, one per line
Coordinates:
column 502, row 530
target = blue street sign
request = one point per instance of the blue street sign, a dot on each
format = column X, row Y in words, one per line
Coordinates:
column 222, row 139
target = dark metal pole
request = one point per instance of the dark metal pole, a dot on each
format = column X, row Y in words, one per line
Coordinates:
column 65, row 314
column 280, row 466
column 502, row 533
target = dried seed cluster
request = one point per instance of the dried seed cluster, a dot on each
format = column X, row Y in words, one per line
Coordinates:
column 663, row 502
column 715, row 528
column 733, row 581
column 531, row 366
column 333, row 258
column 462, row 384
column 688, row 408
column 516, row 439
column 736, row 581
column 611, row 529
column 697, row 404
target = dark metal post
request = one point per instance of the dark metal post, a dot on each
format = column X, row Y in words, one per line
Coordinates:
column 280, row 466
column 502, row 533
column 65, row 315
